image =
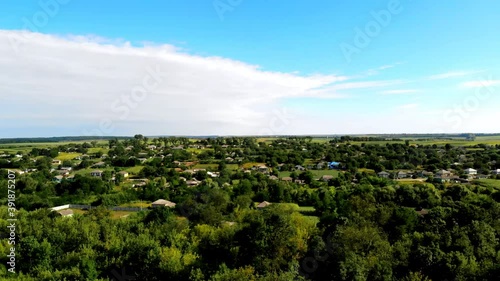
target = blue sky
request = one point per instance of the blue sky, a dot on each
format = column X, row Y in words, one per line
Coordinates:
column 230, row 66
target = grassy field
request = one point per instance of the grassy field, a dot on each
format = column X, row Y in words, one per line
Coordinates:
column 67, row 156
column 88, row 170
column 98, row 149
column 251, row 164
column 368, row 171
column 317, row 173
column 120, row 214
column 27, row 147
column 142, row 204
column 489, row 183
column 214, row 166
column 134, row 170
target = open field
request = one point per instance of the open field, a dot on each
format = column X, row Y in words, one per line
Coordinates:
column 458, row 141
column 142, row 204
column 27, row 147
column 67, row 156
column 134, row 170
column 120, row 214
column 489, row 183
column 251, row 164
column 317, row 173
column 215, row 166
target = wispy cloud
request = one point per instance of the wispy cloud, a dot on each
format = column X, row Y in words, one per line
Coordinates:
column 400, row 92
column 452, row 74
column 480, row 83
column 408, row 106
column 377, row 70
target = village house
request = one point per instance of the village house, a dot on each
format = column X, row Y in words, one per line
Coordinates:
column 425, row 174
column 58, row 178
column 495, row 172
column 66, row 213
column 63, row 172
column 123, row 174
column 287, row 179
column 263, row 205
column 99, row 164
column 213, row 174
column 263, row 169
column 384, row 174
column 96, row 173
column 193, row 182
column 470, row 172
column 299, row 168
column 320, row 165
column 326, row 178
column 273, row 178
column 56, row 162
column 402, row 175
column 162, row 203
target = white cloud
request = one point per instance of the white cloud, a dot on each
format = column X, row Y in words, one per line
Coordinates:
column 82, row 80
column 481, row 83
column 377, row 70
column 451, row 74
column 400, row 92
column 70, row 85
column 408, row 106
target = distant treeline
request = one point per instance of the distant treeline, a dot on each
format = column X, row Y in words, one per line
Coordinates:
column 58, row 139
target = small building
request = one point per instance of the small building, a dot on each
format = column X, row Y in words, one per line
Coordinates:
column 99, row 164
column 334, row 165
column 56, row 162
column 263, row 205
column 443, row 174
column 193, row 182
column 320, row 166
column 470, row 172
column 495, row 172
column 287, row 179
column 326, row 178
column 402, row 175
column 66, row 213
column 422, row 212
column 425, row 174
column 263, row 169
column 384, row 174
column 62, row 172
column 299, row 168
column 124, row 174
column 162, row 203
column 273, row 178
column 58, row 178
column 96, row 173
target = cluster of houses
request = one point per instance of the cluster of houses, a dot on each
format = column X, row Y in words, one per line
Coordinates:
column 439, row 176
